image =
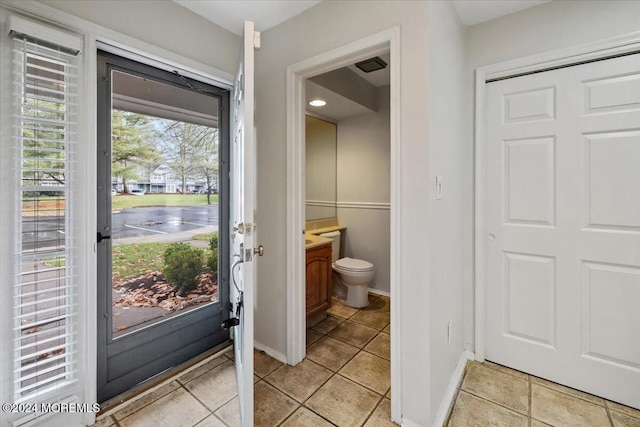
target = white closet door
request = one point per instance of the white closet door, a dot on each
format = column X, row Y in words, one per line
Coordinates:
column 563, row 226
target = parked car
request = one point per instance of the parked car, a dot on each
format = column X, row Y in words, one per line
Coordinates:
column 137, row 192
column 114, row 192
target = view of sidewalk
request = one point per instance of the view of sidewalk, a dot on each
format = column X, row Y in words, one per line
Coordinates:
column 182, row 236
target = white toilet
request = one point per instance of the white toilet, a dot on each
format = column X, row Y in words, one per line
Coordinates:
column 352, row 276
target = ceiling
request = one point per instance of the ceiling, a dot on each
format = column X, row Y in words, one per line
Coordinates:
column 230, row 14
column 338, row 107
column 472, row 12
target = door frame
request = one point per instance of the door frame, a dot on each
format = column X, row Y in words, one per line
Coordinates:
column 560, row 58
column 388, row 40
column 195, row 322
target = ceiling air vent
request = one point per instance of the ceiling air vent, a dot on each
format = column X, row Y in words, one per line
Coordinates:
column 371, row 64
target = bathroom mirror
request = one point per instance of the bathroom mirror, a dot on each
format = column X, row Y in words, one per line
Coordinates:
column 321, row 158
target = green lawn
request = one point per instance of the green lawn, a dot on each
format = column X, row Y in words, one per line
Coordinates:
column 204, row 236
column 128, row 201
column 136, row 259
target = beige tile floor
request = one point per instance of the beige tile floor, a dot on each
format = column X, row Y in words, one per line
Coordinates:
column 492, row 395
column 344, row 381
column 203, row 397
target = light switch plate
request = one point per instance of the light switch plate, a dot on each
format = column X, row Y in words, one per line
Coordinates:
column 438, row 188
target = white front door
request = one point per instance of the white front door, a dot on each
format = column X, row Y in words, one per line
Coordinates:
column 563, row 226
column 242, row 183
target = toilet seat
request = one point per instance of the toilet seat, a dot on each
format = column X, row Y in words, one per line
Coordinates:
column 354, row 265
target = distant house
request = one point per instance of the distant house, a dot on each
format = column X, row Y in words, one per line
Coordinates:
column 162, row 179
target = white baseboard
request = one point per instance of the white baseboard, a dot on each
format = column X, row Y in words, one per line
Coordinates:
column 449, row 396
column 378, row 292
column 280, row 357
column 408, row 423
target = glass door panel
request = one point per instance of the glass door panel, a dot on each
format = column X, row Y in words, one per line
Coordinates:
column 163, row 138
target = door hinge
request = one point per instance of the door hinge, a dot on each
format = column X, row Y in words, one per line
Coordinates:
column 256, row 39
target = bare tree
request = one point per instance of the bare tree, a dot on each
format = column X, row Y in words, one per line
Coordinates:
column 207, row 164
column 184, row 145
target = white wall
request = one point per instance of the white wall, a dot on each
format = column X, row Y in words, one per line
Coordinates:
column 550, row 26
column 324, row 27
column 363, row 177
column 444, row 240
column 162, row 23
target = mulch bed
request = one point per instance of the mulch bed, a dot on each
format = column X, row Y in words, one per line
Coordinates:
column 151, row 290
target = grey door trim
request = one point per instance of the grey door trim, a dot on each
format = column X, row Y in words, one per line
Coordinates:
column 138, row 356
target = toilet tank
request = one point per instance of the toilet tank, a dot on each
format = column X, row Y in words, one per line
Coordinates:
column 335, row 245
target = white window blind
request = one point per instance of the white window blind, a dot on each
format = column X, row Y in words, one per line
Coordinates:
column 45, row 303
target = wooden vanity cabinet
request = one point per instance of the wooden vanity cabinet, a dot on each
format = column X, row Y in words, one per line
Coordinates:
column 319, row 279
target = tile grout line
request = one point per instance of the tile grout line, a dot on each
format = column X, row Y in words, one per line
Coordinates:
column 115, row 421
column 220, row 419
column 372, row 412
column 529, row 422
column 148, row 404
column 211, row 411
column 302, row 404
column 492, row 366
column 360, row 350
column 205, row 417
column 575, row 396
column 606, row 407
column 549, row 387
column 455, row 399
column 292, row 412
column 314, row 391
column 494, row 403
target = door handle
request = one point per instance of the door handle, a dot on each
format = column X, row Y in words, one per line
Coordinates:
column 101, row 237
column 259, row 250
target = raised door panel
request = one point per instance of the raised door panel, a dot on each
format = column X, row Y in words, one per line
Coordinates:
column 318, row 280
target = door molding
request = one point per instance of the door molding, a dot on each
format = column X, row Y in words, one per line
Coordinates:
column 296, row 76
column 587, row 52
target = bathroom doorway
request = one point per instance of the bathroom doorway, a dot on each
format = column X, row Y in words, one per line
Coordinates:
column 308, row 79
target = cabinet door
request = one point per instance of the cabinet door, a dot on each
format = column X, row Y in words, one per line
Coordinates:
column 318, row 280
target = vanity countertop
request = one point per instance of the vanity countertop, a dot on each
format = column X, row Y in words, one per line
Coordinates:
column 329, row 229
column 313, row 241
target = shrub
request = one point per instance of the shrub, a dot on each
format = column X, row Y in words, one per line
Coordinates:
column 212, row 260
column 213, row 242
column 183, row 266
column 212, row 257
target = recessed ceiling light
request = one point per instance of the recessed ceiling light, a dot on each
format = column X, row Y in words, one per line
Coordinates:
column 318, row 103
